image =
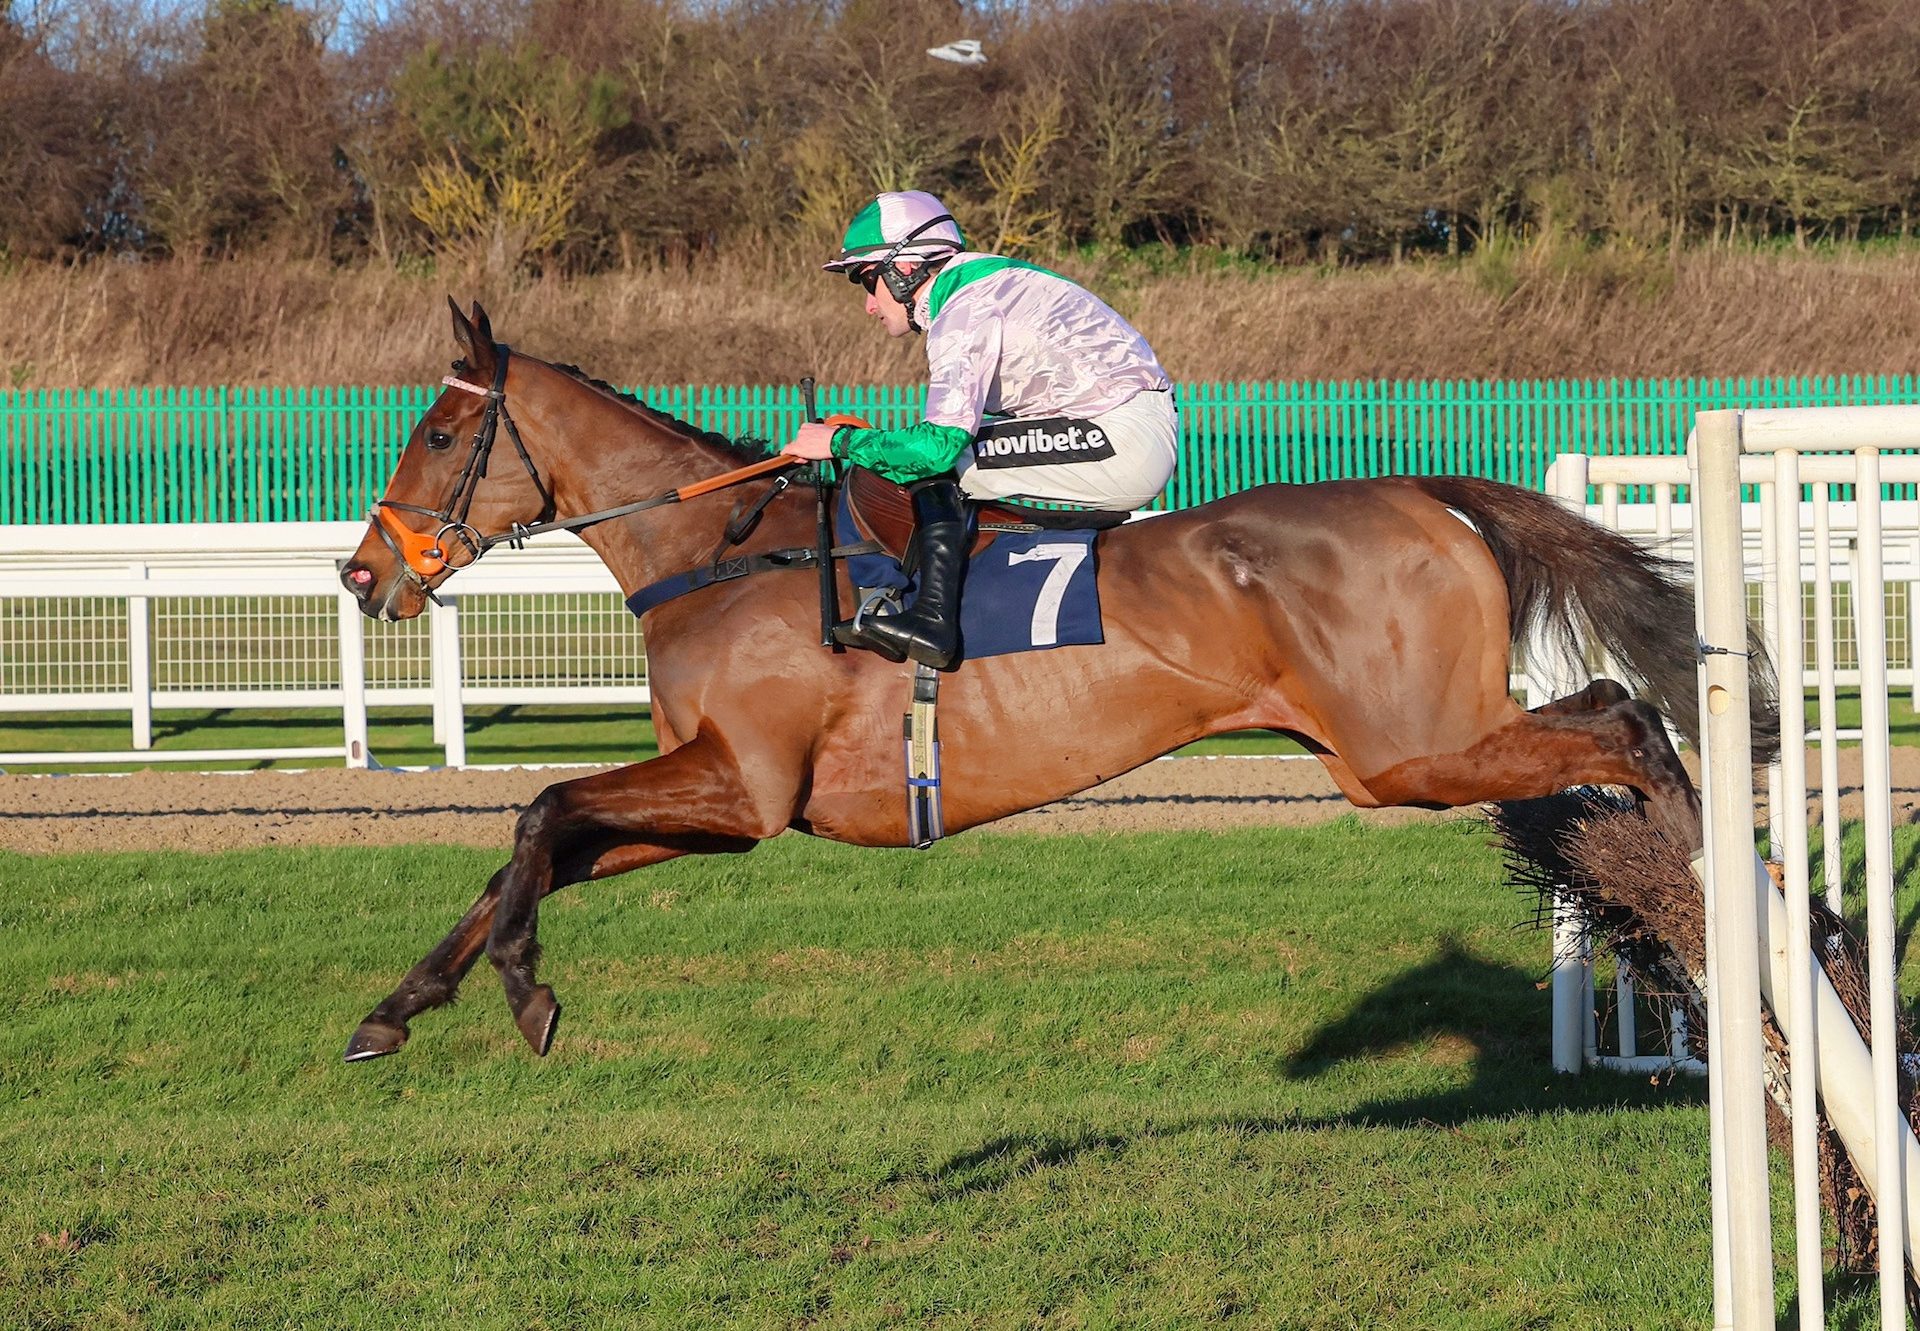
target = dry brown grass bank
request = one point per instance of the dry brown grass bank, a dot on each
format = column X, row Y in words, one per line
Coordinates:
column 736, row 321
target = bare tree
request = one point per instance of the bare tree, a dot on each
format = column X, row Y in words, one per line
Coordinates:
column 54, row 162
column 234, row 137
column 588, row 133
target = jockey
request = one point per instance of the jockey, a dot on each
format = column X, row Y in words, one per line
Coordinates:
column 1037, row 391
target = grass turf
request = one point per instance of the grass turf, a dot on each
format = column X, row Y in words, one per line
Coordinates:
column 1272, row 1078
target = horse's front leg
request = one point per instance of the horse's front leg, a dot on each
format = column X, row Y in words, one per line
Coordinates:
column 430, row 984
column 694, row 800
column 580, row 850
column 436, row 978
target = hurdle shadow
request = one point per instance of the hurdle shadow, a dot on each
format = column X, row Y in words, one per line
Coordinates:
column 1483, row 1014
column 1853, row 887
column 1491, row 1017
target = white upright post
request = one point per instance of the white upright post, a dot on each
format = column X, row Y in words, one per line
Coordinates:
column 353, row 680
column 1628, row 1019
column 449, row 709
column 1789, row 821
column 1743, row 1248
column 1677, row 1033
column 1716, row 1072
column 1572, row 998
column 1823, row 662
column 1572, row 948
column 1870, row 625
column 1773, row 542
column 436, row 671
column 140, row 662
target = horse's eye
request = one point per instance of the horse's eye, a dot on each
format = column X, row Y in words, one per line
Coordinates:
column 439, row 439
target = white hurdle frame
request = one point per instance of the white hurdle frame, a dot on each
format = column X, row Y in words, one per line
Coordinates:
column 1667, row 524
column 1758, row 940
column 1576, row 1026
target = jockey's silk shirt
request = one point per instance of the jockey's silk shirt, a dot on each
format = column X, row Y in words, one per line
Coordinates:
column 1006, row 339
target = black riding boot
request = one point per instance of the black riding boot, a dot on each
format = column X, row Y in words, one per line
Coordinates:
column 929, row 631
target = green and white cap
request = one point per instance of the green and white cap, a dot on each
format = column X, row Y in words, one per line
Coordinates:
column 911, row 224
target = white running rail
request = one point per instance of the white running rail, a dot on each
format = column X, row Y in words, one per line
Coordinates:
column 244, row 615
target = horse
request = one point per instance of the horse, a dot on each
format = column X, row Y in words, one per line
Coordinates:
column 1372, row 620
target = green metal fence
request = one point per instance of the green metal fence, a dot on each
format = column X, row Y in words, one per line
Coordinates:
column 302, row 454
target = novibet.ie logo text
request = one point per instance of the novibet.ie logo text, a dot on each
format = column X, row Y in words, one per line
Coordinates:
column 1028, row 443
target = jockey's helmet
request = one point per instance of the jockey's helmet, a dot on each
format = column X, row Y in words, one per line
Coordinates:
column 910, row 224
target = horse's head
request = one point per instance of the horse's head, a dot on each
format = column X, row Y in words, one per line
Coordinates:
column 457, row 483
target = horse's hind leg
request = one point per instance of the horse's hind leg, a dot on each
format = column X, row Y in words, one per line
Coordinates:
column 1537, row 753
column 1600, row 694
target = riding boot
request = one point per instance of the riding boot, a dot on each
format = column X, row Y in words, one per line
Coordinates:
column 929, row 631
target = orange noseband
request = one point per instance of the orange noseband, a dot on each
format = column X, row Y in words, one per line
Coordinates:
column 419, row 551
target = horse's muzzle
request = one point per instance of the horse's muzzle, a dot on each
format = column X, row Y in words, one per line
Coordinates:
column 363, row 582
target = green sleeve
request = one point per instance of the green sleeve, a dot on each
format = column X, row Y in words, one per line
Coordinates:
column 912, row 454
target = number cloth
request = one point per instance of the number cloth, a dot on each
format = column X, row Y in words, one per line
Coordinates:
column 1026, row 590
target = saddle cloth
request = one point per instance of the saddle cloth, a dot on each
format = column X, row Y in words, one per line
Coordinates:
column 1023, row 591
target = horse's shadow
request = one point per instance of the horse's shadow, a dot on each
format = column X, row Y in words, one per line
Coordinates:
column 1491, row 1016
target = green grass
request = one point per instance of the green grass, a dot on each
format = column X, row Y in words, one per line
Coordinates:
column 1266, row 1079
column 1903, row 723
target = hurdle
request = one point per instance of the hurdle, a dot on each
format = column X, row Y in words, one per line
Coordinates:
column 1759, row 936
column 1648, row 497
column 1575, row 1023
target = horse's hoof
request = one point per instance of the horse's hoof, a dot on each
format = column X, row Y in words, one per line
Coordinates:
column 537, row 1018
column 374, row 1039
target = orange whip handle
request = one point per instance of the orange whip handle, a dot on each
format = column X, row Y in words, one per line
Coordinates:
column 722, row 481
column 761, row 468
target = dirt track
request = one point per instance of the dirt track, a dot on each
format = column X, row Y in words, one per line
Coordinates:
column 153, row 809
column 185, row 811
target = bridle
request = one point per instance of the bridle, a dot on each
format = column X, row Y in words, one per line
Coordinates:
column 424, row 558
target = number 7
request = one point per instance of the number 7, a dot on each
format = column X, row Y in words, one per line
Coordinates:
column 1046, row 609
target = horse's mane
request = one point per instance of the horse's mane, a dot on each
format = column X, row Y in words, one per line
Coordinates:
column 747, row 448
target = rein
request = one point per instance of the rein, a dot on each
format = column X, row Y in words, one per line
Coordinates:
column 425, row 557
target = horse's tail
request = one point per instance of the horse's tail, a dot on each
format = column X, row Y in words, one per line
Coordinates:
column 1568, row 578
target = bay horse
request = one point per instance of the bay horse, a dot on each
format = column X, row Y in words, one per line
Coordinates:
column 1374, row 620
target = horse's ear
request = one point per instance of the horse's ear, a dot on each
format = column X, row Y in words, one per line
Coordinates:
column 475, row 338
column 462, row 329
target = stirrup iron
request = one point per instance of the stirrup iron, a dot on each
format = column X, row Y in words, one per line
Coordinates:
column 876, row 598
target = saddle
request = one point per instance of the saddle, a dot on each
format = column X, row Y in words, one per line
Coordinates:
column 883, row 512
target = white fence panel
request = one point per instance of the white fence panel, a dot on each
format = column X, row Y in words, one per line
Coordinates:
column 236, row 615
column 1826, row 534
